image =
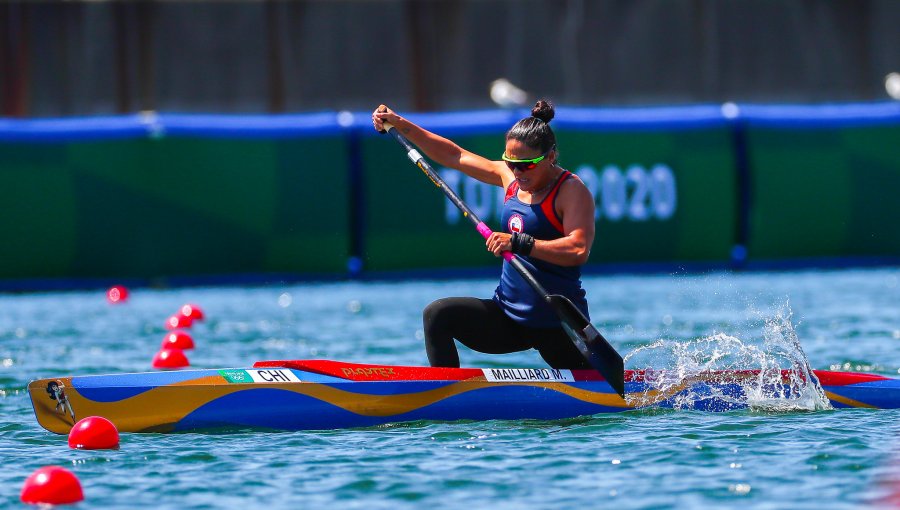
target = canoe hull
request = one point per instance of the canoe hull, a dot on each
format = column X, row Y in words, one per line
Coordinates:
column 319, row 394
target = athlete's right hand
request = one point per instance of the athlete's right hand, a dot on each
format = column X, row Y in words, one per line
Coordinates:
column 381, row 115
column 499, row 242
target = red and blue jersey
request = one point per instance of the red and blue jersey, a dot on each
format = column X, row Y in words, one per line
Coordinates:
column 514, row 295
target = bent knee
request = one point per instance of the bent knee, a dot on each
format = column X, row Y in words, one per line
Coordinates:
column 433, row 313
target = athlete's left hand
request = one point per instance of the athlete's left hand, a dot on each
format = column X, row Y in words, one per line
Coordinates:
column 499, row 242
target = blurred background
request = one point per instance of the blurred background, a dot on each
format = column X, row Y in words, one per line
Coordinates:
column 61, row 58
column 169, row 142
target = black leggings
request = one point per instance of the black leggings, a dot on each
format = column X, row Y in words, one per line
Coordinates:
column 481, row 325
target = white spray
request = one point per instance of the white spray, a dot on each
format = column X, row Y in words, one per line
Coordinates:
column 773, row 377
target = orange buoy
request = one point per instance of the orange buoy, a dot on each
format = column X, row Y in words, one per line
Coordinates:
column 192, row 311
column 94, row 433
column 178, row 340
column 52, row 485
column 170, row 358
column 178, row 321
column 117, row 294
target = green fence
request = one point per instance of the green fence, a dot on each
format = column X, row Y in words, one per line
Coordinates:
column 660, row 196
column 824, row 191
column 279, row 197
column 664, row 194
column 174, row 206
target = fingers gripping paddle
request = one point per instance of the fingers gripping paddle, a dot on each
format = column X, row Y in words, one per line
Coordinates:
column 584, row 335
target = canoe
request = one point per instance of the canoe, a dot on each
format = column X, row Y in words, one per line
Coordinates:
column 323, row 394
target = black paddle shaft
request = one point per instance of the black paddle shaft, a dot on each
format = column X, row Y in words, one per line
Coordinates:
column 592, row 345
column 423, row 165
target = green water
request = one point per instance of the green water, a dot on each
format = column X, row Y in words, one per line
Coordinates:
column 760, row 458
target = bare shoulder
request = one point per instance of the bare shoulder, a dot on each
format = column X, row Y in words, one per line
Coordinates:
column 574, row 195
column 574, row 188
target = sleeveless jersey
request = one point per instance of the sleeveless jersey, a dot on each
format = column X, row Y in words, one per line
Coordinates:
column 520, row 302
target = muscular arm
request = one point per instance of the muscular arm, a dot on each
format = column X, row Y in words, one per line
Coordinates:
column 447, row 153
column 575, row 205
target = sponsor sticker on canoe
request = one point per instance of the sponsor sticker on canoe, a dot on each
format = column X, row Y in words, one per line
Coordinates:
column 527, row 375
column 263, row 375
column 369, row 372
column 236, row 376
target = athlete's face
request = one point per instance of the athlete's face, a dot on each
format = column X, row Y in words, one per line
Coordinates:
column 529, row 175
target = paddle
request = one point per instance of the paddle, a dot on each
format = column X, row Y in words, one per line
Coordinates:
column 595, row 349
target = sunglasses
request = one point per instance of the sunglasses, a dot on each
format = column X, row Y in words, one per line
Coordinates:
column 525, row 164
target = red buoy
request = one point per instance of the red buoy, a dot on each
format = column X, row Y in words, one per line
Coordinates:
column 94, row 433
column 117, row 294
column 178, row 340
column 192, row 311
column 170, row 358
column 52, row 485
column 178, row 321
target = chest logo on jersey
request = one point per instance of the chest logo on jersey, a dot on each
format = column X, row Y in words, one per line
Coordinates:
column 515, row 223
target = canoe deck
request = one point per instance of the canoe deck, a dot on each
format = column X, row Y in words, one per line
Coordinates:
column 323, row 394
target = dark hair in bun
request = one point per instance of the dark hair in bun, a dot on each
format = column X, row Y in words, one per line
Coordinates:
column 543, row 110
column 535, row 131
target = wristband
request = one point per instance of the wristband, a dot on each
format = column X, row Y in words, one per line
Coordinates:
column 521, row 244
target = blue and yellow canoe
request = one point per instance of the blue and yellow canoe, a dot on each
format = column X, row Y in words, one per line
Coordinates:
column 322, row 394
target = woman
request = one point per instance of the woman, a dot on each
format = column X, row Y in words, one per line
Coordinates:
column 548, row 221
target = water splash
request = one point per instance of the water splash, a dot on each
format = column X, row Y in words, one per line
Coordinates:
column 722, row 372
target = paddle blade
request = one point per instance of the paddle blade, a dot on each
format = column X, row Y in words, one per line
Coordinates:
column 603, row 354
column 595, row 349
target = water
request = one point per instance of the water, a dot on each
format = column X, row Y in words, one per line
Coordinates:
column 671, row 366
column 780, row 453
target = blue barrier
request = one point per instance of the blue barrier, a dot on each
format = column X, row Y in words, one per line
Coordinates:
column 449, row 123
column 737, row 118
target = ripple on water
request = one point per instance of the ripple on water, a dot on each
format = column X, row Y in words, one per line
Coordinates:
column 653, row 458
